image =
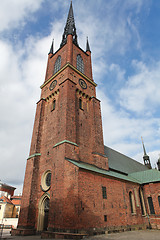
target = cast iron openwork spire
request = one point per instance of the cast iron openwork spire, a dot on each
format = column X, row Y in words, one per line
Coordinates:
column 146, row 157
column 70, row 28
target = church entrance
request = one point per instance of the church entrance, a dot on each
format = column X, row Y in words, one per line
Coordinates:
column 43, row 213
column 46, row 213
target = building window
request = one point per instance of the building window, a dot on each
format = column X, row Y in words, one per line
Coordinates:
column 46, row 180
column 53, row 105
column 132, row 203
column 80, row 103
column 80, row 63
column 105, row 218
column 57, row 65
column 104, row 192
column 151, row 207
column 159, row 200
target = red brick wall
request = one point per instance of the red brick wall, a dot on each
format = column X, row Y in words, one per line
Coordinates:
column 153, row 190
column 92, row 206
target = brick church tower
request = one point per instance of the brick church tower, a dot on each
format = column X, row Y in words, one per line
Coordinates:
column 67, row 130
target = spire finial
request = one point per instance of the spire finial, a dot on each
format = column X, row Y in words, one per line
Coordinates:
column 87, row 46
column 52, row 47
column 145, row 154
column 70, row 28
column 146, row 157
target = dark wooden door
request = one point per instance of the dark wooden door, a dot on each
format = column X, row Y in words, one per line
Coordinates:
column 46, row 214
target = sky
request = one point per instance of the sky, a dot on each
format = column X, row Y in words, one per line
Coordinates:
column 124, row 40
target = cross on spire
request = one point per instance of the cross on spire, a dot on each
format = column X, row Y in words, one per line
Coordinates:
column 70, row 28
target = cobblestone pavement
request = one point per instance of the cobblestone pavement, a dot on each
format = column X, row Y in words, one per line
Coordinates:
column 133, row 235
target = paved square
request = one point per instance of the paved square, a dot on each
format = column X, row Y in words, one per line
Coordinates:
column 133, row 235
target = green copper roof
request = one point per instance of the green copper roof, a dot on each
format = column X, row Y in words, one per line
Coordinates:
column 95, row 169
column 122, row 163
column 149, row 176
column 142, row 177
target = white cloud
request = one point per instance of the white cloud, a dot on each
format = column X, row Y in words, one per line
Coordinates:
column 123, row 132
column 14, row 13
column 141, row 92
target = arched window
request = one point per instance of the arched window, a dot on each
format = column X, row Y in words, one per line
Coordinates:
column 80, row 103
column 132, row 203
column 53, row 105
column 80, row 63
column 57, row 65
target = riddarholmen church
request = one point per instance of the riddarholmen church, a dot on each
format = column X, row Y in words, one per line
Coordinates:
column 73, row 183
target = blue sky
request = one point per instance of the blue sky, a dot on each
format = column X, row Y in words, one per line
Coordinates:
column 124, row 39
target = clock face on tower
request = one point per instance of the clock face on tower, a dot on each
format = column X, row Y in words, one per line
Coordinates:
column 52, row 85
column 83, row 84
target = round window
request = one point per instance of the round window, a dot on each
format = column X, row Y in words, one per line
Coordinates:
column 46, row 180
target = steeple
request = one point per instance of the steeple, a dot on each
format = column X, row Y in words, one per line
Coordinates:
column 87, row 46
column 52, row 48
column 146, row 158
column 70, row 28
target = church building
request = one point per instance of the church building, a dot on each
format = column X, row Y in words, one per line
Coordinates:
column 73, row 183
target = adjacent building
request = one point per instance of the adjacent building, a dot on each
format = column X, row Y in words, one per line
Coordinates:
column 9, row 205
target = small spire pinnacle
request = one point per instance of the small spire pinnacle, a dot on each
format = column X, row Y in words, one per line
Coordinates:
column 145, row 154
column 87, row 46
column 70, row 28
column 52, row 47
column 146, row 158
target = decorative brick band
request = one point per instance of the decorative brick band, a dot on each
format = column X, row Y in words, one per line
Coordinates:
column 34, row 155
column 65, row 141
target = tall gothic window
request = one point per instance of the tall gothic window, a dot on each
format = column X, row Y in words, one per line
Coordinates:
column 132, row 203
column 159, row 200
column 53, row 105
column 151, row 207
column 57, row 65
column 80, row 103
column 80, row 63
column 104, row 192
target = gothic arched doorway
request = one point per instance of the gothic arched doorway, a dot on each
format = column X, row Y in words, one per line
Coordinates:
column 43, row 213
